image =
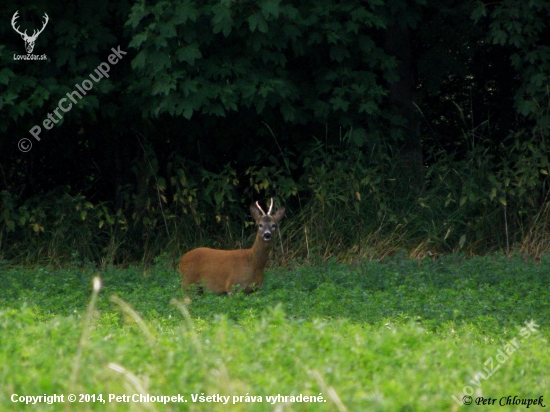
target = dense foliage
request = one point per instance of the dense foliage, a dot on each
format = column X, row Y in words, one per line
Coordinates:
column 381, row 125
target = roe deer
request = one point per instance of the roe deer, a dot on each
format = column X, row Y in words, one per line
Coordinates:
column 221, row 270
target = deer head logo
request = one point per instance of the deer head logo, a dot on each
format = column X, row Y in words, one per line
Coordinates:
column 29, row 40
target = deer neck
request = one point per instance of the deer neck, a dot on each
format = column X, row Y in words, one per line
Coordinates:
column 259, row 253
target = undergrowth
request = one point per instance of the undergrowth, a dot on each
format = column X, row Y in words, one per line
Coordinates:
column 341, row 202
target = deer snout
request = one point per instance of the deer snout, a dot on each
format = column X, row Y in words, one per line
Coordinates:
column 267, row 236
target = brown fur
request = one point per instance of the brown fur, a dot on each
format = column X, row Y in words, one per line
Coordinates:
column 220, row 271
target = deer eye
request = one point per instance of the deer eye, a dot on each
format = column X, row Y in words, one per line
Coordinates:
column 261, row 225
column 273, row 226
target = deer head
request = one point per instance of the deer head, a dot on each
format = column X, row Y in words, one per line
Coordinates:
column 267, row 223
column 29, row 40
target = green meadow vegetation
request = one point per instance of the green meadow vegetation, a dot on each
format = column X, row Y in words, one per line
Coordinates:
column 391, row 335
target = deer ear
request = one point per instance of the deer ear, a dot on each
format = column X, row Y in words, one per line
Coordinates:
column 279, row 214
column 256, row 214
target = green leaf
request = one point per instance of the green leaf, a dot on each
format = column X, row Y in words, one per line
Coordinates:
column 338, row 53
column 252, row 22
column 167, row 30
column 339, row 104
column 8, row 98
column 139, row 60
column 188, row 113
column 162, row 87
column 270, row 8
column 216, row 109
column 136, row 14
column 527, row 107
column 137, row 40
column 262, row 25
column 539, row 79
column 479, row 12
column 5, row 75
column 256, row 21
column 288, row 112
column 222, row 19
column 500, row 37
column 189, row 54
column 368, row 107
column 359, row 136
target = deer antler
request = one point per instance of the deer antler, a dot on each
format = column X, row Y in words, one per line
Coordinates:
column 260, row 208
column 13, row 19
column 36, row 33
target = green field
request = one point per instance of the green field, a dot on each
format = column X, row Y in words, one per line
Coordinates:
column 399, row 335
